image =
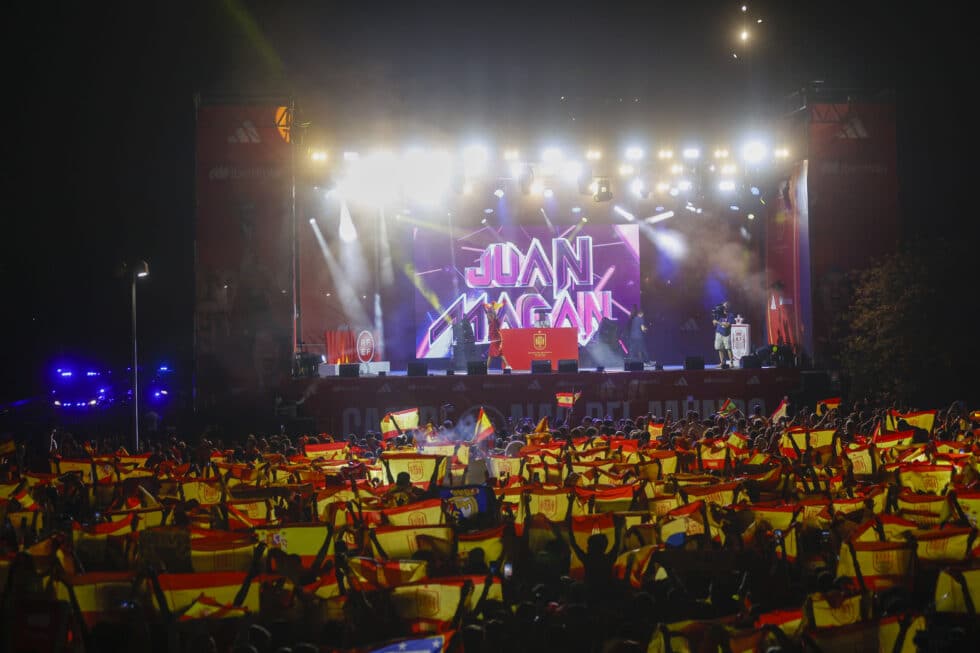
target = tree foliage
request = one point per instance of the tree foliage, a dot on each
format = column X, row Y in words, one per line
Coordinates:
column 909, row 331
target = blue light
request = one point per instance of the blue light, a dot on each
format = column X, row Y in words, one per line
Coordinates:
column 91, row 374
column 156, row 394
column 164, row 368
column 101, row 391
column 163, row 392
column 66, row 374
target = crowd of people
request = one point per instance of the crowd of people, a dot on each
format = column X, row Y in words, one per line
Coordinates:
column 816, row 528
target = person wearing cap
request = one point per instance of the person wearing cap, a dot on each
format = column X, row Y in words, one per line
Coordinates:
column 722, row 318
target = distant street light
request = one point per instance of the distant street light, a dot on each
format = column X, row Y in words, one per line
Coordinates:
column 140, row 271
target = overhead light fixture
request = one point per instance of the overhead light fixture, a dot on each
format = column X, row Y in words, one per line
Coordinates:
column 593, row 155
column 634, row 153
column 665, row 154
column 692, row 153
column 626, row 170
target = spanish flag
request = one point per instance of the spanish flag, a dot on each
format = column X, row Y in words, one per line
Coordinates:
column 655, row 429
column 728, row 408
column 484, row 428
column 394, row 424
column 781, row 411
column 923, row 419
column 371, row 574
column 543, row 426
column 567, row 399
column 828, row 404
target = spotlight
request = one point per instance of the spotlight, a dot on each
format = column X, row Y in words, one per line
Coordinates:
column 584, row 219
column 676, row 169
column 511, row 155
column 721, row 154
column 754, row 190
column 754, row 152
column 549, row 193
column 665, row 154
column 634, row 153
column 744, row 36
column 663, row 187
column 576, row 209
column 593, row 155
column 626, row 170
column 727, row 185
column 602, row 192
column 684, row 185
column 348, row 233
column 660, row 217
column 318, row 156
column 751, row 216
column 624, row 213
column 488, row 211
column 728, row 169
column 781, row 153
column 638, row 188
column 312, row 220
column 499, row 193
column 483, row 221
column 692, row 153
column 733, row 207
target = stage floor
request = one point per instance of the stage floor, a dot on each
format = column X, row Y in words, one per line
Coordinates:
column 342, row 406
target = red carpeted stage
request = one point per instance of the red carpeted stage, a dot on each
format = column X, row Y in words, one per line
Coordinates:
column 355, row 405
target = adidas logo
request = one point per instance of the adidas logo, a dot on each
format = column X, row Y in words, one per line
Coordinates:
column 681, row 381
column 245, row 134
column 853, row 129
column 753, row 381
column 385, row 388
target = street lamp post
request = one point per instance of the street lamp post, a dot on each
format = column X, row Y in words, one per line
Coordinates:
column 141, row 271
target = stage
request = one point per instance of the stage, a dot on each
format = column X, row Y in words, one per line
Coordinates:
column 341, row 406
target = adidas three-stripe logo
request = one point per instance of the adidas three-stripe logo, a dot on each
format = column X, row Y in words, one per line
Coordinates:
column 245, row 134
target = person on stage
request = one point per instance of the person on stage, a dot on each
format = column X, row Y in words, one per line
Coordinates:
column 722, row 318
column 493, row 335
column 635, row 339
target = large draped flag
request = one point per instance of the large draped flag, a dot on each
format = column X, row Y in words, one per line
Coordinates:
column 484, row 428
column 567, row 399
column 781, row 411
column 923, row 419
column 828, row 404
column 728, row 408
column 394, row 424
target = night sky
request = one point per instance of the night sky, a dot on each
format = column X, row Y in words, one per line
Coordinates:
column 100, row 125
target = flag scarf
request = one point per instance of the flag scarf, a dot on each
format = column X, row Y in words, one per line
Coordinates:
column 394, row 424
column 728, row 408
column 828, row 404
column 484, row 428
column 567, row 399
column 780, row 412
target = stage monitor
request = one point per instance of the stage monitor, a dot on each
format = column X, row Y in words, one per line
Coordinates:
column 418, row 368
column 694, row 363
column 540, row 367
column 476, row 368
column 568, row 365
column 349, row 370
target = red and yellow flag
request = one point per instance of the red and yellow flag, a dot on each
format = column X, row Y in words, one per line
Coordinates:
column 394, row 424
column 567, row 399
column 828, row 404
column 728, row 408
column 655, row 429
column 781, row 411
column 543, row 426
column 484, row 428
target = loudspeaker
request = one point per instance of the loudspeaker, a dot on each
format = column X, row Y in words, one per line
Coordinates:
column 540, row 367
column 568, row 365
column 476, row 368
column 632, row 365
column 349, row 370
column 694, row 363
column 750, row 362
column 418, row 368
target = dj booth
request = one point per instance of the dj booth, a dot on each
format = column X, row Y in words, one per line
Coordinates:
column 523, row 346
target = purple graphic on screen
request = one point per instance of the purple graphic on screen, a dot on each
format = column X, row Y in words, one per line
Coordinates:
column 575, row 279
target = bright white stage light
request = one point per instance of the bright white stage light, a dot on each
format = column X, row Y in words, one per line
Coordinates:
column 348, row 233
column 475, row 160
column 676, row 169
column 572, row 171
column 634, row 153
column 754, row 151
column 728, row 169
column 549, row 193
column 781, row 153
column 744, row 35
column 537, row 187
column 626, row 170
column 733, row 207
column 488, row 210
column 636, row 187
column 692, row 153
column 663, row 187
column 319, row 156
column 425, row 176
column 674, row 192
column 551, row 155
column 727, row 185
column 684, row 185
column 593, row 155
column 665, row 154
column 576, row 209
column 754, row 190
column 660, row 217
column 744, row 8
column 721, row 154
column 499, row 193
column 511, row 155
column 312, row 220
column 624, row 213
column 751, row 216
